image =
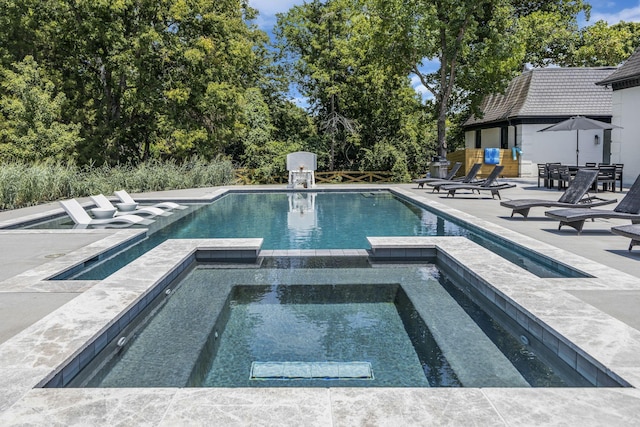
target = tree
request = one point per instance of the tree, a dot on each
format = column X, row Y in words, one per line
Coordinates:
column 144, row 78
column 312, row 32
column 476, row 46
column 357, row 101
column 603, row 45
column 31, row 124
column 548, row 30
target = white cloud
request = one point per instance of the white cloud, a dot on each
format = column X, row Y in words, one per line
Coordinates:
column 427, row 66
column 420, row 89
column 415, row 82
column 631, row 14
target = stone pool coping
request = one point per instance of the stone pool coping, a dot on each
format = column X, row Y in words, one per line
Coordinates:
column 34, row 354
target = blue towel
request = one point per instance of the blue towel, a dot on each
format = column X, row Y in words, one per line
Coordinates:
column 492, row 156
column 515, row 151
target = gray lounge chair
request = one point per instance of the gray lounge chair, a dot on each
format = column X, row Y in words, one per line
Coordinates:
column 628, row 208
column 82, row 219
column 631, row 231
column 573, row 197
column 469, row 178
column 450, row 176
column 488, row 184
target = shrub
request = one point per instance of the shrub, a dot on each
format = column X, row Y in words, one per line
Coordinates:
column 385, row 156
column 25, row 184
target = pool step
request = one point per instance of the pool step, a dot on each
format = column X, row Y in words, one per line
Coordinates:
column 475, row 359
column 311, row 370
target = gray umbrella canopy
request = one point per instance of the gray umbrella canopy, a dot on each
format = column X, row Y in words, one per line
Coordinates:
column 579, row 123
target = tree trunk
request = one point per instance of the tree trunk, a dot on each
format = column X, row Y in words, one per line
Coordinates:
column 442, row 129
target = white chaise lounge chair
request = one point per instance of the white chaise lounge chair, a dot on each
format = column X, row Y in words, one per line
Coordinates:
column 102, row 202
column 126, row 198
column 77, row 213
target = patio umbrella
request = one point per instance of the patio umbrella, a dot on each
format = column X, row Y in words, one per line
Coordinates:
column 579, row 123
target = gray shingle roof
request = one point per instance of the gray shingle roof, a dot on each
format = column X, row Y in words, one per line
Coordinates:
column 549, row 92
column 630, row 70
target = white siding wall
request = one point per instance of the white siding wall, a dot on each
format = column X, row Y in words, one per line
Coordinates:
column 470, row 139
column 490, row 138
column 545, row 147
column 625, row 143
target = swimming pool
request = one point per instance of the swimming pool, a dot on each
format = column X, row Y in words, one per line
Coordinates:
column 274, row 325
column 585, row 330
column 310, row 220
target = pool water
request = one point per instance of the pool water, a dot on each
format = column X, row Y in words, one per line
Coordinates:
column 307, row 220
column 408, row 322
column 325, row 220
column 314, row 324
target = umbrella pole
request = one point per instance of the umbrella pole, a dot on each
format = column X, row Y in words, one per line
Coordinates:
column 577, row 146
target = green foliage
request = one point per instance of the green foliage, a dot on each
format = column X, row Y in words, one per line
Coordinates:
column 264, row 147
column 31, row 126
column 25, row 184
column 386, row 156
column 550, row 35
column 258, row 128
column 473, row 43
column 544, row 40
column 547, row 31
column 358, row 101
column 144, row 78
column 291, row 123
column 603, row 45
column 130, row 82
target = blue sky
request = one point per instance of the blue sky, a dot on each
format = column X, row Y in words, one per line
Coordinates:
column 606, row 10
column 615, row 11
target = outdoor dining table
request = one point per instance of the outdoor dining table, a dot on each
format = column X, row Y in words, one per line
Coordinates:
column 608, row 175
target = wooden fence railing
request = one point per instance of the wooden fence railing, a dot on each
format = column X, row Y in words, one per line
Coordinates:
column 352, row 177
column 247, row 176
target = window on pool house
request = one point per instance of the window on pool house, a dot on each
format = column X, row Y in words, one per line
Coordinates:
column 504, row 137
column 478, row 138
